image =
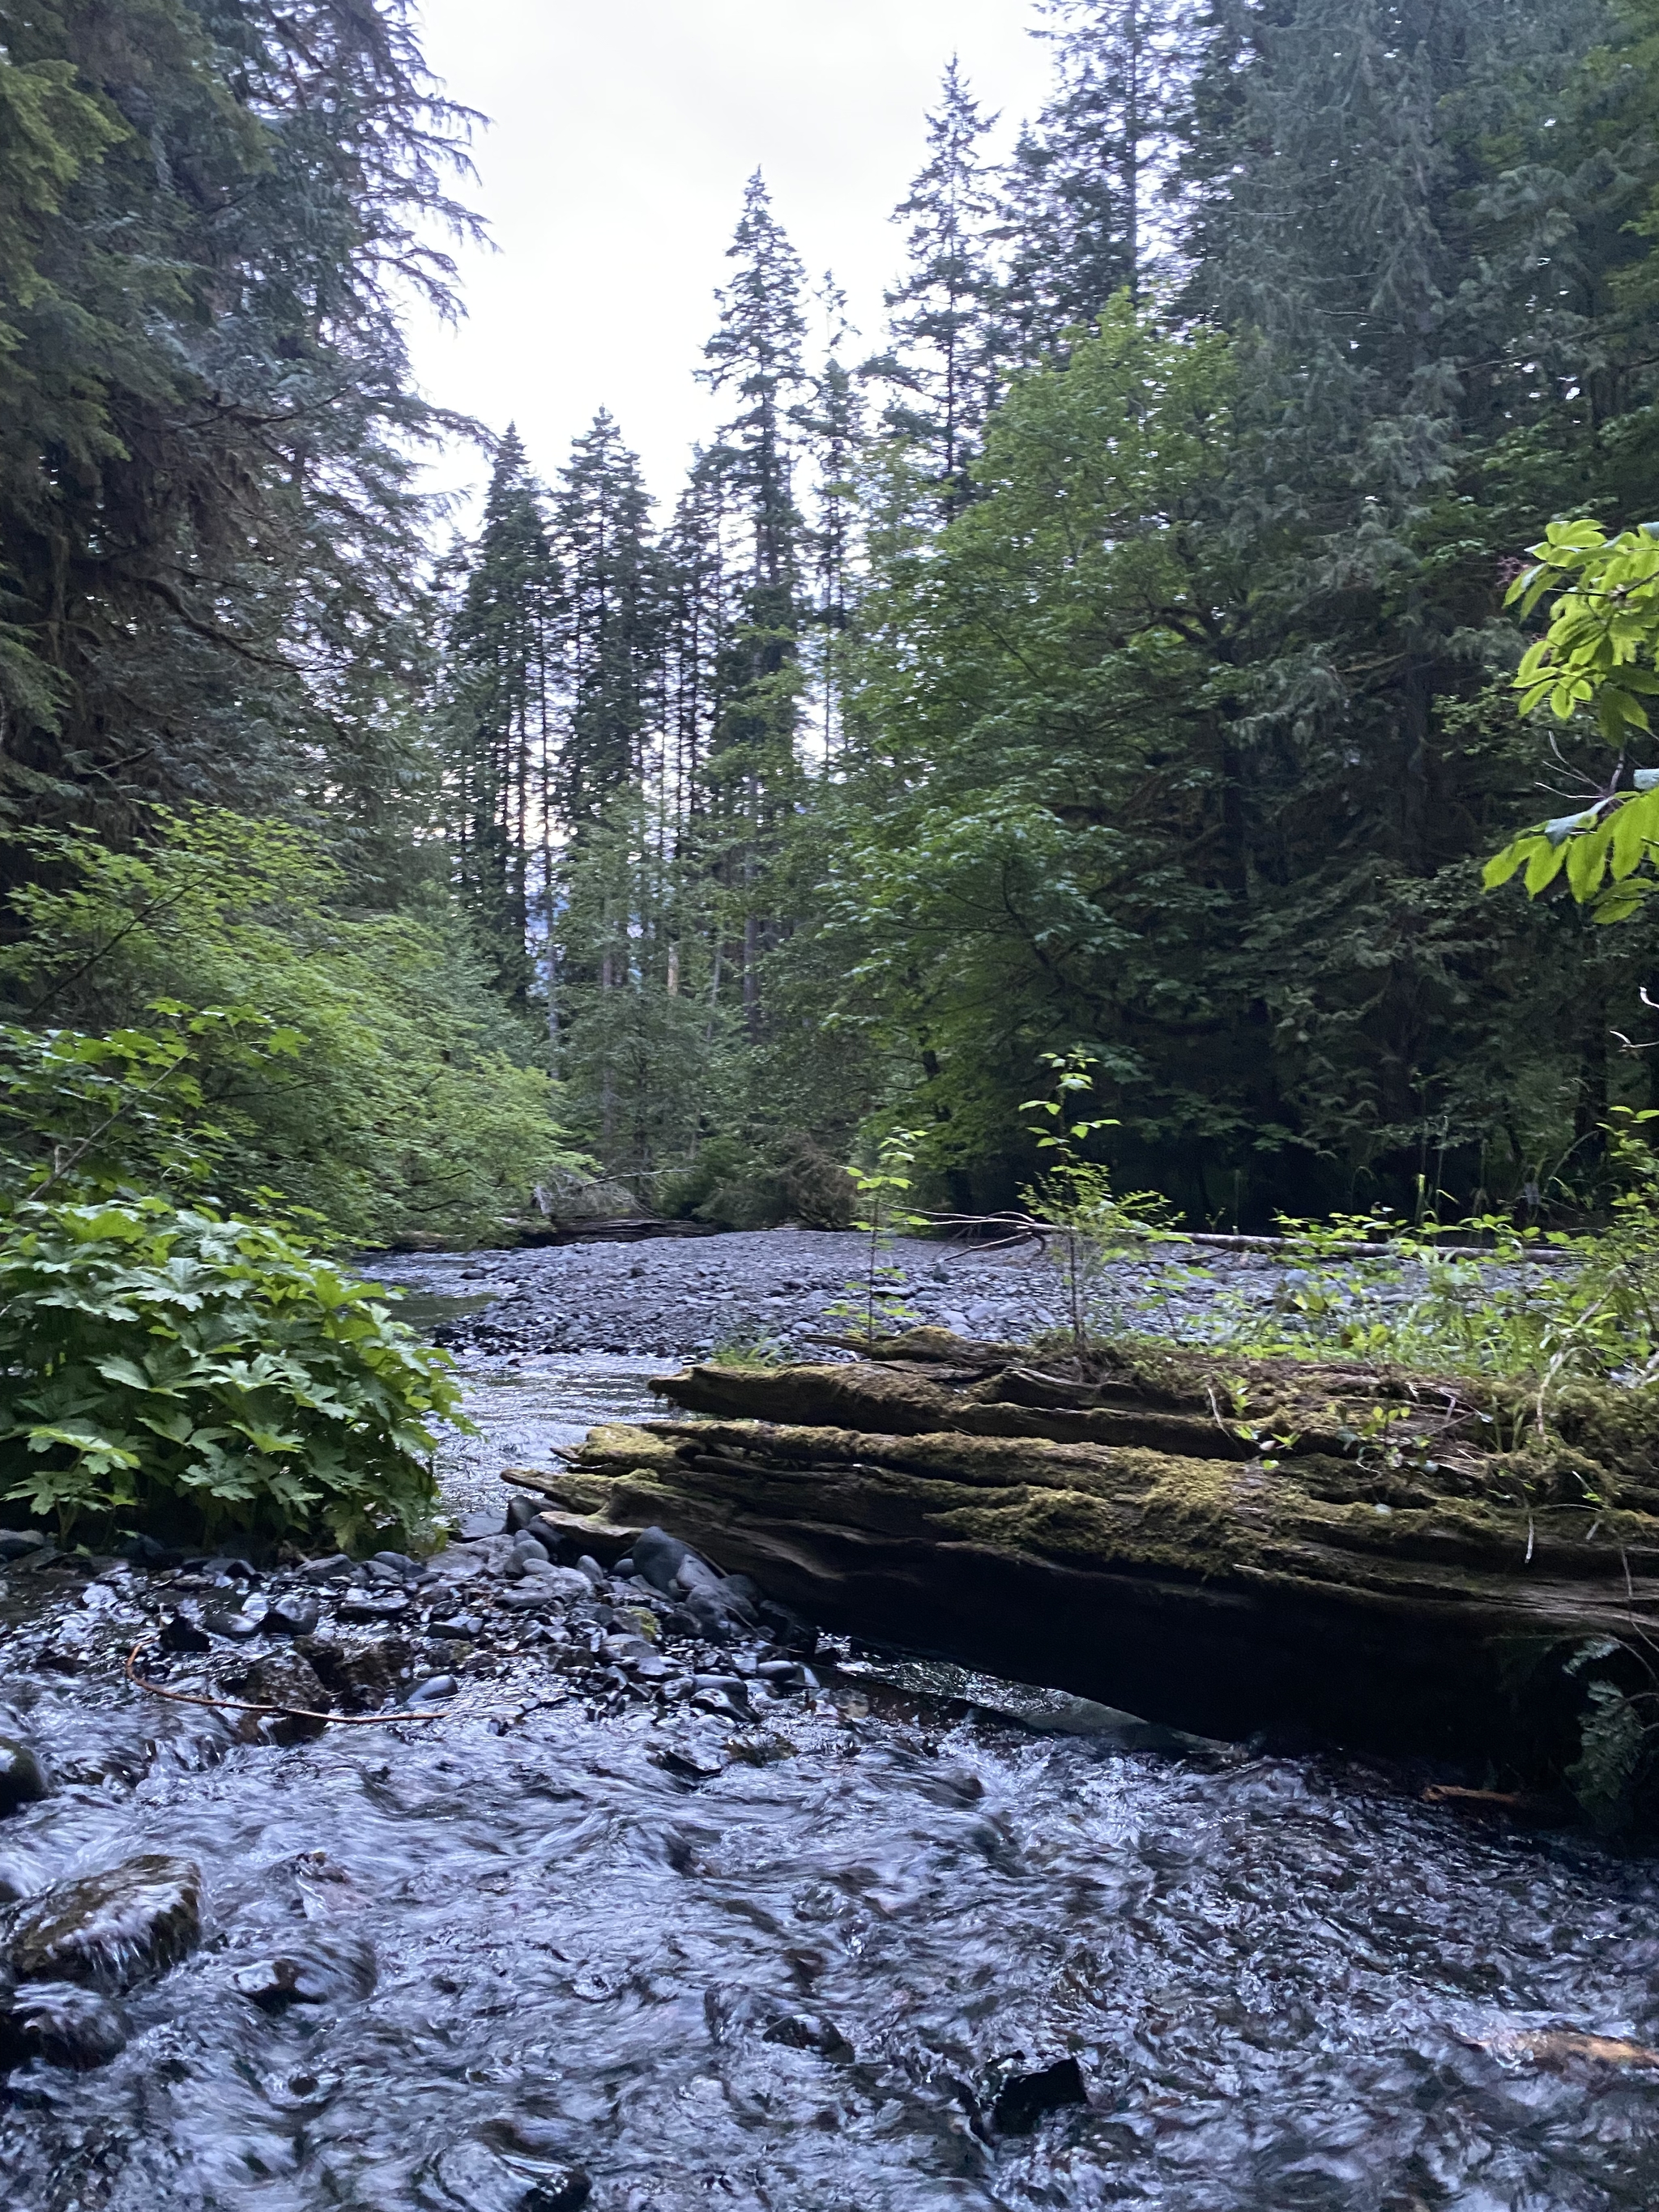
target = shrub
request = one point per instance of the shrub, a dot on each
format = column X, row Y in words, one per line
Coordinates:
column 405, row 1097
column 170, row 1369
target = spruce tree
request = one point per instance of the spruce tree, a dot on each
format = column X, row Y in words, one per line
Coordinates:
column 499, row 715
column 942, row 363
column 755, row 354
column 1082, row 192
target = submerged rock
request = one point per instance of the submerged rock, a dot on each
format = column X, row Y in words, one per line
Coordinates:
column 110, row 1930
column 22, row 1781
column 61, row 2024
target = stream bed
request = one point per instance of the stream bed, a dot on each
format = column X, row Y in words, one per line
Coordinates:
column 891, row 1953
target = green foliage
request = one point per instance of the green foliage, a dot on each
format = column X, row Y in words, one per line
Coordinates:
column 212, row 543
column 1097, row 1227
column 1377, row 1289
column 169, row 1368
column 1597, row 655
column 875, row 1300
column 389, row 1092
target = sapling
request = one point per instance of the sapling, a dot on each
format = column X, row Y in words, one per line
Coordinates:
column 1076, row 1197
column 883, row 1189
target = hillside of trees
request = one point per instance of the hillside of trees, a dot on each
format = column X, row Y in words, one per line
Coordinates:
column 1109, row 655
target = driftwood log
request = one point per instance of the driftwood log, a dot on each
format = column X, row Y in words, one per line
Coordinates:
column 1420, row 1565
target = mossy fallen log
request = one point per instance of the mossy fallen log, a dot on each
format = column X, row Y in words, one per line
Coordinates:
column 1418, row 1563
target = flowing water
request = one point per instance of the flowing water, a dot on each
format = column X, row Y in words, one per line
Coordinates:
column 846, row 1978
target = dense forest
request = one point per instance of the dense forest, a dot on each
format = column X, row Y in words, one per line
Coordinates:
column 1113, row 660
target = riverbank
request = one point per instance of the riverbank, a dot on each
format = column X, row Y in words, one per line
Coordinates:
column 778, row 1288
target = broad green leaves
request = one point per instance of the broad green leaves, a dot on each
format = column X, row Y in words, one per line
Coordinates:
column 1596, row 656
column 172, row 1368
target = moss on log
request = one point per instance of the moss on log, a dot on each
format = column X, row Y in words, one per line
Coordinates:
column 1415, row 1563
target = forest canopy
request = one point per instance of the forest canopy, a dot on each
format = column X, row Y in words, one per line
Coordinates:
column 1117, row 657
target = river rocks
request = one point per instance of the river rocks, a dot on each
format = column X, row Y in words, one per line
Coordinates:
column 110, row 1930
column 292, row 1689
column 375, row 1607
column 292, row 1615
column 1025, row 2098
column 22, row 1781
column 61, row 2024
column 21, row 1544
column 316, row 1973
column 355, row 1675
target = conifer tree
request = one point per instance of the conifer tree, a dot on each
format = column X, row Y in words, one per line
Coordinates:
column 942, row 363
column 610, row 622
column 755, row 354
column 1081, row 192
column 499, row 680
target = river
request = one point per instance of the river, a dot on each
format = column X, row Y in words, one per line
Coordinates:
column 900, row 1955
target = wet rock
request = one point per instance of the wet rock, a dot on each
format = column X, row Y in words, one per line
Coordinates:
column 21, row 1544
column 179, row 1634
column 656, row 1558
column 316, row 1974
column 473, row 1526
column 459, row 1628
column 801, row 2031
column 109, row 1930
column 292, row 1616
column 470, row 2176
column 375, row 1607
column 360, row 1676
column 62, row 2025
column 691, row 1762
column 236, row 1627
column 283, row 1680
column 22, row 1781
column 337, row 1569
column 145, row 1552
column 434, row 1691
column 1025, row 2098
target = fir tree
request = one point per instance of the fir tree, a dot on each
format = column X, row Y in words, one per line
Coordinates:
column 499, row 682
column 609, row 628
column 1081, row 192
column 756, row 355
column 943, row 359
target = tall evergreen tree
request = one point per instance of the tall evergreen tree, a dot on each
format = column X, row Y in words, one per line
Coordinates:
column 610, row 622
column 500, row 676
column 942, row 364
column 756, row 355
column 212, row 211
column 1082, row 191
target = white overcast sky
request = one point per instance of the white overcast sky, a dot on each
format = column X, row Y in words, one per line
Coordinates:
column 621, row 135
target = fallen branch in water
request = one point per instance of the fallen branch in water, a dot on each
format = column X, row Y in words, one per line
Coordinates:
column 281, row 1712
